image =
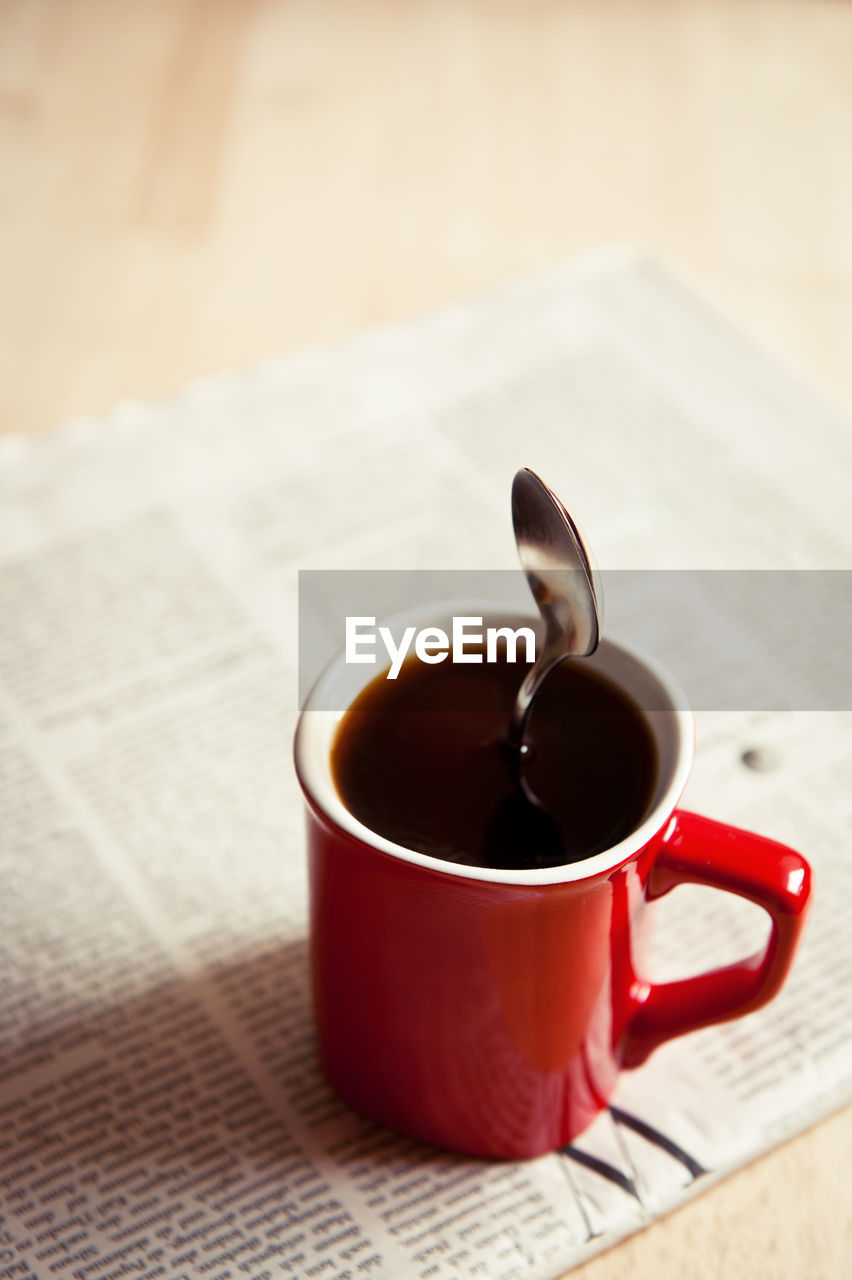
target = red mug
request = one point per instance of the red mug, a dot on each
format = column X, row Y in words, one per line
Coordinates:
column 490, row 1011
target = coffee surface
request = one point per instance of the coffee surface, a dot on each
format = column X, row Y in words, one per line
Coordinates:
column 422, row 760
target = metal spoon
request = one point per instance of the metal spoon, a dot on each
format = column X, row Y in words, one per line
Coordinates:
column 562, row 580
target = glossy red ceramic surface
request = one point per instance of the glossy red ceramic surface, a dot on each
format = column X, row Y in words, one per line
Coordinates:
column 493, row 1018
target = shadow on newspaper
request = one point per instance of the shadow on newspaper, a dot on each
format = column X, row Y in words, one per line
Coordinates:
column 190, row 1126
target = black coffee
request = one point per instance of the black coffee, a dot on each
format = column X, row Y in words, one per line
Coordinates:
column 423, row 761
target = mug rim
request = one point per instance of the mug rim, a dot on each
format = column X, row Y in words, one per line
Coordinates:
column 316, row 729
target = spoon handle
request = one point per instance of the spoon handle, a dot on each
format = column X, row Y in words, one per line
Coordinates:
column 530, row 686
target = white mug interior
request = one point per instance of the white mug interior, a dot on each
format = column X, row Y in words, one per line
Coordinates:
column 663, row 707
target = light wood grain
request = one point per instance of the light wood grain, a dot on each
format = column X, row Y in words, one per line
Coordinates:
column 188, row 184
column 192, row 184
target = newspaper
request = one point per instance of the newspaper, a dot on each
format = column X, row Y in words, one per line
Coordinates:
column 161, row 1110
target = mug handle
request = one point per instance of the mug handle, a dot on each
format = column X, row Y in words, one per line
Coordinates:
column 696, row 850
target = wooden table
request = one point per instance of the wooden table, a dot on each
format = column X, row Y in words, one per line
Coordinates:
column 192, row 184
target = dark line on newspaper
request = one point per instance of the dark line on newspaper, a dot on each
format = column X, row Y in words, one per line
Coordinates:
column 626, row 1156
column 579, row 1200
column 605, row 1170
column 653, row 1135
